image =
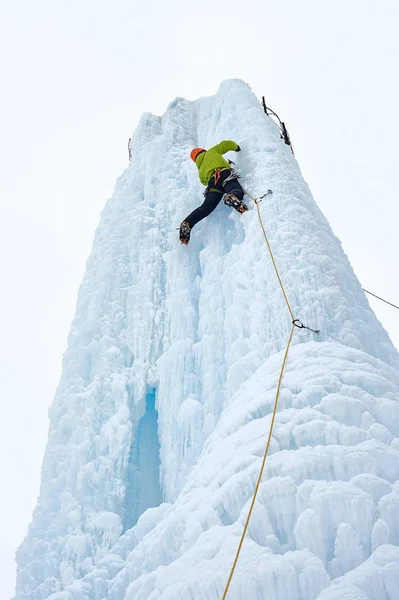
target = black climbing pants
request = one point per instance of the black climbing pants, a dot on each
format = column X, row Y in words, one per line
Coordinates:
column 213, row 195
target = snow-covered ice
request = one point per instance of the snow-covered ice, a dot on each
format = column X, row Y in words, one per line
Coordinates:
column 159, row 423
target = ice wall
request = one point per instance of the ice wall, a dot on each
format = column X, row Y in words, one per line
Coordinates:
column 168, row 382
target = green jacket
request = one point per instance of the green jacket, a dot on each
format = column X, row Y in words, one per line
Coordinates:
column 212, row 159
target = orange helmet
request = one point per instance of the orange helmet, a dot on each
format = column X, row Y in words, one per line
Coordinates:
column 194, row 153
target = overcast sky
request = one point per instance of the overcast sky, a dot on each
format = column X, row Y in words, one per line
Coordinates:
column 75, row 77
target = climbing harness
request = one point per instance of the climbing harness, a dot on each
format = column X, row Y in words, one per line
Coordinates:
column 233, row 175
column 295, row 323
column 216, row 176
column 281, row 125
column 214, row 180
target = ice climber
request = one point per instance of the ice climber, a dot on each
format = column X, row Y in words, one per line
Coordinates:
column 216, row 173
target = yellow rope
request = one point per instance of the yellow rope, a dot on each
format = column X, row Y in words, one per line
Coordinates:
column 274, row 407
column 261, row 469
column 271, row 254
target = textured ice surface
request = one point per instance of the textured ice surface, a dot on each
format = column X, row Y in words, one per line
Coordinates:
column 161, row 416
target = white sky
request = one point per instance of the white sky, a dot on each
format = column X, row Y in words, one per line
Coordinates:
column 75, row 77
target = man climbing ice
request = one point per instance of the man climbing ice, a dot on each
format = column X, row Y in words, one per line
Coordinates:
column 215, row 172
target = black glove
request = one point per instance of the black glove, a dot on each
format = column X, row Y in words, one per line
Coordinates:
column 238, row 149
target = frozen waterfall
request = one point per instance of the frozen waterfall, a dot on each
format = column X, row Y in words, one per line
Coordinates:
column 160, row 420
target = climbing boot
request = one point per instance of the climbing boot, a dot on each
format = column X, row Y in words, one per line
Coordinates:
column 185, row 231
column 234, row 202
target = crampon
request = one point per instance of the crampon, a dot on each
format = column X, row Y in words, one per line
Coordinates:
column 184, row 233
column 234, row 202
